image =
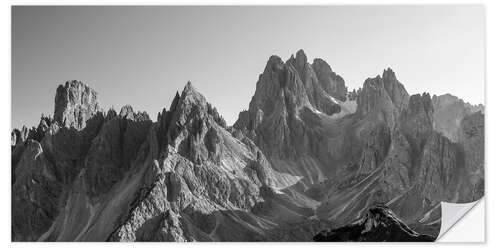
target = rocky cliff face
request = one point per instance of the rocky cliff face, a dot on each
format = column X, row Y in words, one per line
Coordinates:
column 75, row 103
column 396, row 159
column 471, row 137
column 307, row 155
column 286, row 114
column 47, row 160
column 114, row 148
column 384, row 97
column 331, row 83
column 417, row 119
column 286, row 92
column 449, row 112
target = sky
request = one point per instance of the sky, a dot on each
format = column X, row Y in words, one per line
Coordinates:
column 142, row 55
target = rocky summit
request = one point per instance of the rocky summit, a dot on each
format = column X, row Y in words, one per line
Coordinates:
column 308, row 160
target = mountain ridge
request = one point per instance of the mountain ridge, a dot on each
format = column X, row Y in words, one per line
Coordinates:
column 307, row 155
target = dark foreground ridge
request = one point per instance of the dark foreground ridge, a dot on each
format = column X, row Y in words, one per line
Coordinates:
column 379, row 223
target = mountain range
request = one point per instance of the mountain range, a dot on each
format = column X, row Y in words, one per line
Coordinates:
column 308, row 159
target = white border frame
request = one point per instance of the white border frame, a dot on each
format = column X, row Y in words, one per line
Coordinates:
column 492, row 128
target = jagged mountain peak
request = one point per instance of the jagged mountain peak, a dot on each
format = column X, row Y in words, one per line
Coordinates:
column 283, row 92
column 75, row 103
column 190, row 96
column 395, row 89
column 191, row 99
column 382, row 93
column 75, row 84
column 300, row 54
column 189, row 115
column 388, row 73
column 319, row 63
column 299, row 61
column 174, row 103
column 417, row 118
column 274, row 63
column 128, row 112
column 189, row 87
column 421, row 103
column 190, row 102
column 373, row 96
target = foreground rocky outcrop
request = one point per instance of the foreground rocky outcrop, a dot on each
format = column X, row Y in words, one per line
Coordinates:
column 379, row 223
column 306, row 156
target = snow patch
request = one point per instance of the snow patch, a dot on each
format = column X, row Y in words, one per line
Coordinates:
column 334, row 100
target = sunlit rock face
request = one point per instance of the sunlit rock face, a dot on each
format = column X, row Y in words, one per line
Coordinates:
column 307, row 155
column 75, row 103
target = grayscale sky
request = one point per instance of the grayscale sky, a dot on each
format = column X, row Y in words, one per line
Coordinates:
column 142, row 55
